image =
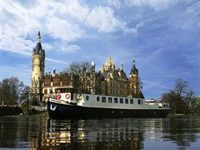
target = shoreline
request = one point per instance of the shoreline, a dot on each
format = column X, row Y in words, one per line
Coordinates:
column 16, row 110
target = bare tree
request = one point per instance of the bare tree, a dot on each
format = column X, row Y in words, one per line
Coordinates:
column 180, row 87
column 180, row 99
column 78, row 72
column 77, row 68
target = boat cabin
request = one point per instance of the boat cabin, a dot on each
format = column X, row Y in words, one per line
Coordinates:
column 65, row 94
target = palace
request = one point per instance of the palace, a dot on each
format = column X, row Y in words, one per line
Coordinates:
column 109, row 80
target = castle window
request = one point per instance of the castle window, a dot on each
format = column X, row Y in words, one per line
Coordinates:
column 109, row 99
column 131, row 101
column 51, row 91
column 45, row 91
column 121, row 100
column 103, row 99
column 116, row 100
column 126, row 101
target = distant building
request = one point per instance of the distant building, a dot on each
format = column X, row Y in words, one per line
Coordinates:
column 110, row 80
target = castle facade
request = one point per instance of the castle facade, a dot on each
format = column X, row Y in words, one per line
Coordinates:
column 109, row 80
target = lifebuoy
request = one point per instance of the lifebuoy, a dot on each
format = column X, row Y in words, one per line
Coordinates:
column 58, row 96
column 67, row 96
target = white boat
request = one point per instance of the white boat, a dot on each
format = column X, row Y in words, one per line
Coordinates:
column 70, row 104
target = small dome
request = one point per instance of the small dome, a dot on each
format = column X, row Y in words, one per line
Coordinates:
column 92, row 63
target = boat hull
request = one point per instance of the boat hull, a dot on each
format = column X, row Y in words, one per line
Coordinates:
column 57, row 110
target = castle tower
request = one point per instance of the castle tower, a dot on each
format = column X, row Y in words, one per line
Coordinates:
column 38, row 66
column 134, row 85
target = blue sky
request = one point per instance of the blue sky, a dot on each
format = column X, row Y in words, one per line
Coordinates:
column 162, row 35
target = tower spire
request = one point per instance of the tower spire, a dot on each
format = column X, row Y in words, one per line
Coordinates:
column 122, row 66
column 39, row 36
column 134, row 70
column 133, row 61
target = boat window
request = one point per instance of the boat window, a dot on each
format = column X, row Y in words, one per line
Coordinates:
column 103, row 99
column 131, row 101
column 121, row 100
column 126, row 101
column 87, row 97
column 139, row 101
column 116, row 100
column 98, row 99
column 109, row 99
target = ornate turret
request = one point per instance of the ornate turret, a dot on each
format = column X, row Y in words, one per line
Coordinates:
column 134, row 70
column 134, row 83
column 38, row 66
column 108, row 66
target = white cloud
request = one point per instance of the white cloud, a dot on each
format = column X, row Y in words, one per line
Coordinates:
column 74, row 9
column 115, row 3
column 63, row 30
column 65, row 46
column 63, row 20
column 57, row 61
column 104, row 20
column 18, row 21
column 70, row 48
column 156, row 4
column 18, row 45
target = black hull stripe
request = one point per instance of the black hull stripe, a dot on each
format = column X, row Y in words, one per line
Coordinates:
column 72, row 111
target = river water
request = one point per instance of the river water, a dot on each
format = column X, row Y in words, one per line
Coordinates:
column 40, row 132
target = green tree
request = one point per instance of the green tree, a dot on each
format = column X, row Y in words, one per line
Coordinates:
column 10, row 91
column 195, row 105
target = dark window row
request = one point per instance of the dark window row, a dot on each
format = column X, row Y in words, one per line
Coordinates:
column 117, row 100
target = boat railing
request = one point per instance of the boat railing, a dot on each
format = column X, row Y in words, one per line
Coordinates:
column 158, row 104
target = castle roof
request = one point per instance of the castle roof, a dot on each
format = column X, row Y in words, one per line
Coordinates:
column 38, row 48
column 134, row 70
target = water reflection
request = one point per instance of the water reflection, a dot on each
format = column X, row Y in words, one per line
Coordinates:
column 120, row 133
column 17, row 131
column 183, row 131
column 93, row 134
column 40, row 132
